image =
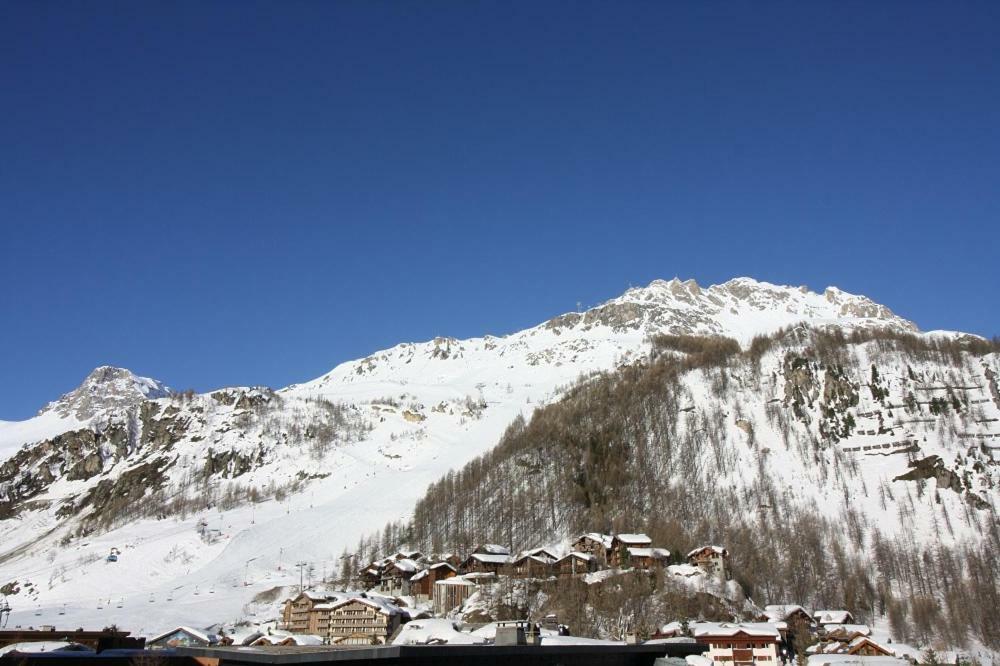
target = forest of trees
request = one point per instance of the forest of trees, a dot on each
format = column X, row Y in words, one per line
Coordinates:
column 638, row 450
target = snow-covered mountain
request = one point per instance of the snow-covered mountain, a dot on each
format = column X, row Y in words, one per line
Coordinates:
column 212, row 497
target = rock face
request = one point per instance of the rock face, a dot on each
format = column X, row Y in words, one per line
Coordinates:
column 678, row 307
column 106, row 388
column 932, row 467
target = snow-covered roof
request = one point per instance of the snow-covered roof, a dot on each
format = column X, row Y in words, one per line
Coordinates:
column 756, row 629
column 541, row 552
column 586, row 557
column 685, row 570
column 717, row 550
column 378, row 603
column 435, row 632
column 438, row 565
column 492, row 549
column 848, row 629
column 200, row 634
column 490, row 558
column 406, row 565
column 648, row 552
column 456, row 580
column 833, row 616
column 281, row 638
column 420, row 575
column 44, row 646
column 634, row 539
column 778, row 612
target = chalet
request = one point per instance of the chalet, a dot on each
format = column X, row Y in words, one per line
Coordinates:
column 452, row 559
column 492, row 549
column 859, row 646
column 647, row 558
column 738, row 644
column 396, row 577
column 415, row 555
column 711, row 560
column 865, row 647
column 422, row 582
column 185, row 637
column 826, row 617
column 544, row 553
column 531, row 566
column 370, row 577
column 788, row 613
column 451, row 593
column 485, row 563
column 617, row 552
column 301, row 615
column 595, row 544
column 363, row 621
column 575, row 563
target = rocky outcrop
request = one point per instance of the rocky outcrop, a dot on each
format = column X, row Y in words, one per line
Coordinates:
column 932, row 467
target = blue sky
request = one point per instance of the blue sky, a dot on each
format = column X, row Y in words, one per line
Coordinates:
column 250, row 193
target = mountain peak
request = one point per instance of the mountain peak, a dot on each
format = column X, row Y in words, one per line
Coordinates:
column 106, row 387
column 741, row 308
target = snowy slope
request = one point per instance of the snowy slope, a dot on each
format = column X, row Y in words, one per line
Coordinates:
column 327, row 460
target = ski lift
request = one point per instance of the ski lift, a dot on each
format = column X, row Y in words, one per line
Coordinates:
column 62, row 611
column 38, row 612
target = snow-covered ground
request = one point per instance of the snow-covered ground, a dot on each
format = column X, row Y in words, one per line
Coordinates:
column 431, row 406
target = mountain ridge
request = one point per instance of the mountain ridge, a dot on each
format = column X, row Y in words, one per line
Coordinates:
column 313, row 467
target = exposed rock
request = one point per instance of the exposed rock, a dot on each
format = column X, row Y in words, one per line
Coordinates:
column 932, row 467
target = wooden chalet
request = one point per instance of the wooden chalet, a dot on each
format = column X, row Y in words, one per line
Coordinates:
column 827, row 617
column 620, row 543
column 370, row 576
column 593, row 543
column 865, row 647
column 575, row 563
column 647, row 558
column 531, row 566
column 711, row 560
column 790, row 614
column 491, row 549
column 485, row 563
column 396, row 577
column 422, row 582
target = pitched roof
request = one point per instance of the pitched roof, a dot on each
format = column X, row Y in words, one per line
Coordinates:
column 491, row 558
column 379, row 604
column 648, row 552
column 716, row 550
column 492, row 549
column 586, row 557
column 197, row 633
column 784, row 611
column 634, row 539
column 833, row 616
column 761, row 629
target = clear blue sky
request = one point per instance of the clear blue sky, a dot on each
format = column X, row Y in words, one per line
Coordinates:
column 218, row 193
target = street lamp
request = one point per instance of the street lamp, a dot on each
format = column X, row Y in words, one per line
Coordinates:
column 246, row 570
